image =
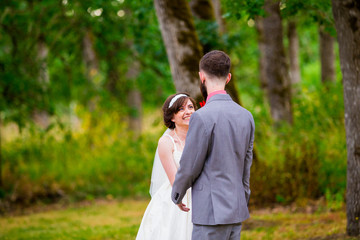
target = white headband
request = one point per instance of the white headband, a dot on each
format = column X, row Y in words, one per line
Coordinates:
column 173, row 100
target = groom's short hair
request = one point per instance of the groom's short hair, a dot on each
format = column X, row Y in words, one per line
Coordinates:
column 216, row 63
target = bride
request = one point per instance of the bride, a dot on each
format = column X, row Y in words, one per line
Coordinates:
column 163, row 220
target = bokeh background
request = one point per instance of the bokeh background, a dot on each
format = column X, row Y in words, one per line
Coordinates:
column 82, row 84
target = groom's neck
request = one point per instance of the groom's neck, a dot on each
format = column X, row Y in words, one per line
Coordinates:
column 211, row 89
column 213, row 85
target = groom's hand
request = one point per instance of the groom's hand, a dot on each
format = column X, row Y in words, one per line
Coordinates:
column 183, row 207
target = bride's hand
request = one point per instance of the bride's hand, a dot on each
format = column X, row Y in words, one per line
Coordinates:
column 183, row 207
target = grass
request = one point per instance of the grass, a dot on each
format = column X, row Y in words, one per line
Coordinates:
column 121, row 219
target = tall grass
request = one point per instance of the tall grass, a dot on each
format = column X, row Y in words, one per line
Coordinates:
column 101, row 158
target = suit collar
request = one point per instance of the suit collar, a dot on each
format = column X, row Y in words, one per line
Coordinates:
column 219, row 97
column 214, row 93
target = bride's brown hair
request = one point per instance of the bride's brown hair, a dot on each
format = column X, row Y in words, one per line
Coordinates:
column 168, row 113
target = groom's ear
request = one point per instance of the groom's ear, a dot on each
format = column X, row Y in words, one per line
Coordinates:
column 202, row 77
column 228, row 78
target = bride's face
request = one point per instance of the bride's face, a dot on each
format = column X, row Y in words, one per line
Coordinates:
column 182, row 117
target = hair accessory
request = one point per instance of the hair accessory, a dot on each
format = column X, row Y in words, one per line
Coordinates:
column 176, row 97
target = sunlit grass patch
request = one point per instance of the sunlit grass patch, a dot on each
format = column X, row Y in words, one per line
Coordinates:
column 292, row 225
column 99, row 221
column 121, row 220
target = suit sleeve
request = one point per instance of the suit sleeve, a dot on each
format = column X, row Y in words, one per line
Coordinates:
column 248, row 162
column 192, row 159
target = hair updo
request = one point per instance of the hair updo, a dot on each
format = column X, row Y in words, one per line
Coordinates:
column 168, row 113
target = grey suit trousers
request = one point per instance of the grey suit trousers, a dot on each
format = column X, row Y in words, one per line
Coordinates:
column 216, row 232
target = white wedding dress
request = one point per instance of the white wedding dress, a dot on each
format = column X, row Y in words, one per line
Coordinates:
column 163, row 220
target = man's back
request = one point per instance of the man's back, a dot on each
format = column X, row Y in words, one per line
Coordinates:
column 223, row 132
column 230, row 129
column 217, row 157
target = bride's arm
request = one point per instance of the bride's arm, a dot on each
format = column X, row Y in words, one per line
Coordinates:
column 166, row 149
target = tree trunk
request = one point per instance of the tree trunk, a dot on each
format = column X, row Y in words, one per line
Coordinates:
column 279, row 87
column 113, row 76
column 91, row 70
column 134, row 99
column 327, row 56
column 259, row 23
column 218, row 16
column 347, row 22
column 182, row 44
column 43, row 52
column 40, row 116
column 1, row 160
column 203, row 9
column 89, row 56
column 294, row 53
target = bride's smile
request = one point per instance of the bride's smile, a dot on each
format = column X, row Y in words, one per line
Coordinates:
column 182, row 117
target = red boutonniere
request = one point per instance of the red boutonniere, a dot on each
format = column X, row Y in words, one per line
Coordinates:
column 202, row 103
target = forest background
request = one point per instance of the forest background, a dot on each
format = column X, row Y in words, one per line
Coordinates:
column 83, row 82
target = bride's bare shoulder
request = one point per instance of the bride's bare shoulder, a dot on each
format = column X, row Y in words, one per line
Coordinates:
column 165, row 142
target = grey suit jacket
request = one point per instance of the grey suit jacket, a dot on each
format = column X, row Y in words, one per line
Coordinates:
column 216, row 162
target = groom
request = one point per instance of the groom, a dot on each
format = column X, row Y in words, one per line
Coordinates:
column 217, row 157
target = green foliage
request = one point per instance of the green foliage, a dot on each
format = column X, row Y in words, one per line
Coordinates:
column 100, row 157
column 121, row 31
column 249, row 8
column 101, row 160
column 334, row 201
column 307, row 159
column 310, row 12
